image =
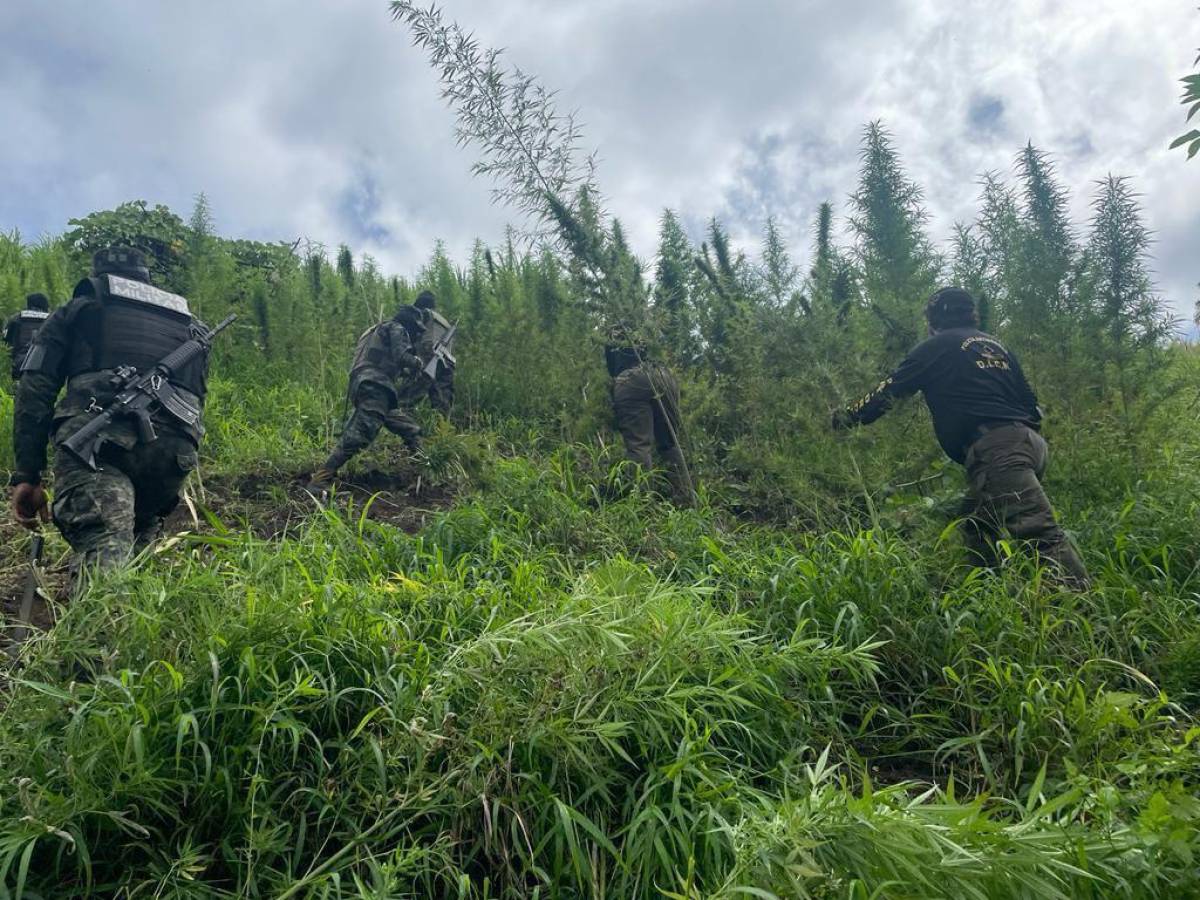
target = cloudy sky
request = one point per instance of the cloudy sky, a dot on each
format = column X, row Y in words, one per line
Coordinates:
column 319, row 118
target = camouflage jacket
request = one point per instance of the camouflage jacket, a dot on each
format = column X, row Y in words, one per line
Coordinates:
column 384, row 353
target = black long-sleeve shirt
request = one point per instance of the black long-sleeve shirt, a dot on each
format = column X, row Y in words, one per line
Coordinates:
column 967, row 378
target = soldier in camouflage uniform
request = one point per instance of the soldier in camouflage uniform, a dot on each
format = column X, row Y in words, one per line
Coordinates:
column 987, row 418
column 645, row 399
column 384, row 354
column 114, row 319
column 20, row 330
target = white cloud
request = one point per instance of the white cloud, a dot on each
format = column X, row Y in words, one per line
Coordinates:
column 320, row 119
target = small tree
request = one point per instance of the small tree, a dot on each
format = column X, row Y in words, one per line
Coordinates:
column 995, row 238
column 157, row 232
column 345, row 266
column 830, row 283
column 898, row 266
column 779, row 274
column 672, row 294
column 1045, row 252
column 1128, row 318
column 969, row 270
column 530, row 148
column 200, row 226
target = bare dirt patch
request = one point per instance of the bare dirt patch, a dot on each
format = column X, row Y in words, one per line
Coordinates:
column 270, row 506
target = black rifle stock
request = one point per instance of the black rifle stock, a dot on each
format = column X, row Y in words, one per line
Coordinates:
column 139, row 395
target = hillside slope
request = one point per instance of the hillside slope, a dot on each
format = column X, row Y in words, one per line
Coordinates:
column 528, row 691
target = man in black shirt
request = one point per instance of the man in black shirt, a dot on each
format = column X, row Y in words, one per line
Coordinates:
column 986, row 417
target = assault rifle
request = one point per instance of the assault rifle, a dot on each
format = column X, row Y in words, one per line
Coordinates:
column 140, row 395
column 441, row 353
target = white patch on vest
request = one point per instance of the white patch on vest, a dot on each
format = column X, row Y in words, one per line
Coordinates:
column 34, row 314
column 139, row 291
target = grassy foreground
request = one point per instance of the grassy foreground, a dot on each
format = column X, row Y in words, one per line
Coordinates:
column 531, row 693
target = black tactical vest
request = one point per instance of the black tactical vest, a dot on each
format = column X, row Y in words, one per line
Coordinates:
column 26, row 324
column 132, row 324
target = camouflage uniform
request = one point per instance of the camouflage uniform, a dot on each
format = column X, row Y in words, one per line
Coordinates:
column 645, row 398
column 384, row 353
column 106, row 514
column 374, row 408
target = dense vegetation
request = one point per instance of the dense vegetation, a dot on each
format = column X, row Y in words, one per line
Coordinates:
column 493, row 680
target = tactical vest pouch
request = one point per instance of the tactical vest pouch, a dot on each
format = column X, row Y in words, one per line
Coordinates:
column 41, row 359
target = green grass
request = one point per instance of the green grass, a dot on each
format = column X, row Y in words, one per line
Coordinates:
column 542, row 695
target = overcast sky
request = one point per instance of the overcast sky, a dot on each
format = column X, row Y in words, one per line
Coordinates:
column 320, row 119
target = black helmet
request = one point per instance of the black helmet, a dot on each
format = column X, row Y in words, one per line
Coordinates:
column 123, row 261
column 425, row 300
column 37, row 301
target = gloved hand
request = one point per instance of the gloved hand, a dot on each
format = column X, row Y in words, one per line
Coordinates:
column 29, row 505
column 841, row 421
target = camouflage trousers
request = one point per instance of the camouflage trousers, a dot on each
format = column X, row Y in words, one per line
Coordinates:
column 1004, row 471
column 108, row 515
column 646, row 407
column 374, row 408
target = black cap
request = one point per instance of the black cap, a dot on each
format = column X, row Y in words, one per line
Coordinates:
column 123, row 261
column 37, row 301
column 425, row 300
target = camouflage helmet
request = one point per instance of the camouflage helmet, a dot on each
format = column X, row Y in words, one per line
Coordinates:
column 425, row 300
column 123, row 261
column 412, row 320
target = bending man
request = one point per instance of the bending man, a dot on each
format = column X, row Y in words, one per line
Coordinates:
column 986, row 418
column 115, row 320
column 645, row 399
column 384, row 354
